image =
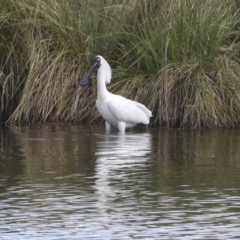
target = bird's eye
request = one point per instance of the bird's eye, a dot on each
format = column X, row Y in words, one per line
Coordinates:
column 98, row 59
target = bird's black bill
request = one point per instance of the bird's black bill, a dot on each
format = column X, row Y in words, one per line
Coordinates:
column 86, row 79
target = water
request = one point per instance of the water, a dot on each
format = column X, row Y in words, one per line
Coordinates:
column 62, row 181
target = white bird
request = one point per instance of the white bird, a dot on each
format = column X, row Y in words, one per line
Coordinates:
column 117, row 111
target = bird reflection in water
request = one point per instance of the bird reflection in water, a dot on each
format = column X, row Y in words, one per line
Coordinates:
column 121, row 160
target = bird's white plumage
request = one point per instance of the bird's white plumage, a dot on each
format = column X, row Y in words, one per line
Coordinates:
column 117, row 111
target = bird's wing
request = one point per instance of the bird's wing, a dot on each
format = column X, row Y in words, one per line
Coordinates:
column 129, row 111
column 143, row 108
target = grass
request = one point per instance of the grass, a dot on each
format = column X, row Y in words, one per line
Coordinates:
column 180, row 58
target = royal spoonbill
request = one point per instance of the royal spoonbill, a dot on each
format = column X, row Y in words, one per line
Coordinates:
column 117, row 111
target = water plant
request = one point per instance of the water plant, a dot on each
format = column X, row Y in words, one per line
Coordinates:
column 180, row 58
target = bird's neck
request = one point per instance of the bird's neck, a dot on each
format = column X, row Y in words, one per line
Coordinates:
column 101, row 85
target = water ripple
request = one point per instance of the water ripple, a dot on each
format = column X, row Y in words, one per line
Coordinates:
column 125, row 192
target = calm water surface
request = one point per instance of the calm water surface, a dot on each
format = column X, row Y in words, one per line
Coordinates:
column 76, row 182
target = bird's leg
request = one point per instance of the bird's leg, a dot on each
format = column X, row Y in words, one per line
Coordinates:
column 121, row 126
column 108, row 127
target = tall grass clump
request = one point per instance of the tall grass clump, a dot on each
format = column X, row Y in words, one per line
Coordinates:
column 185, row 55
column 12, row 61
column 55, row 47
column 180, row 58
column 60, row 38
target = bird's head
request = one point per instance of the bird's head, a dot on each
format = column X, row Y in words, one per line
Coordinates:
column 97, row 63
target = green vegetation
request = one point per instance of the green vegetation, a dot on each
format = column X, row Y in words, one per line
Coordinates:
column 180, row 58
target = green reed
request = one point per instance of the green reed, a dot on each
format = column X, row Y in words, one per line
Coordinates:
column 180, row 58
